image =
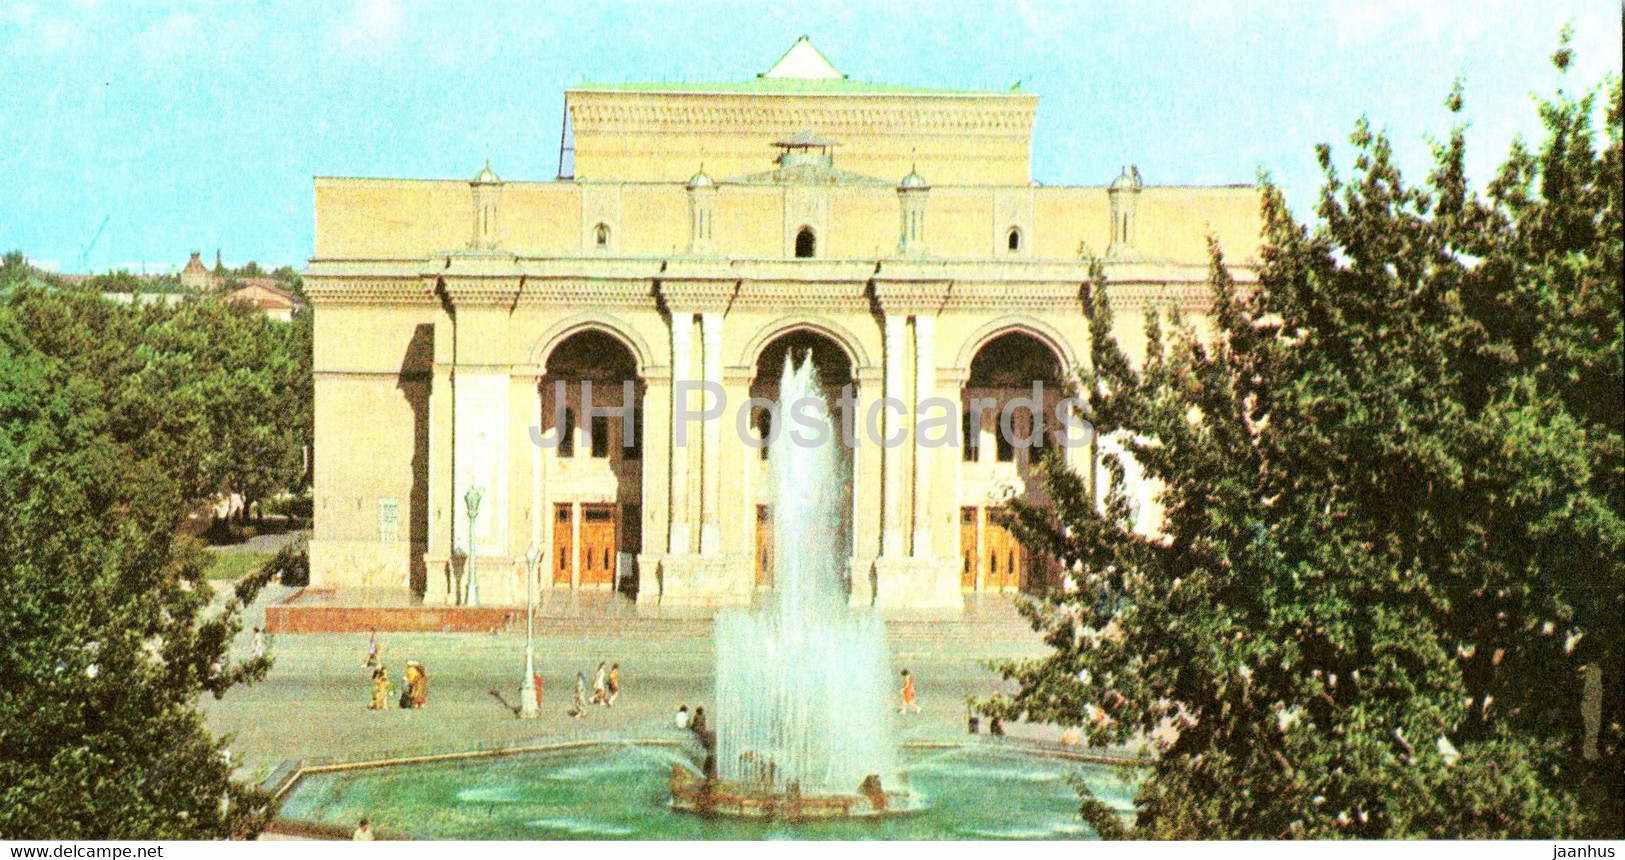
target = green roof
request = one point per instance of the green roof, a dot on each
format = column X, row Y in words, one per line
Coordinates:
column 787, row 87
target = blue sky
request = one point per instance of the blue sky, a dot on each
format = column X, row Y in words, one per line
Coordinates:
column 199, row 126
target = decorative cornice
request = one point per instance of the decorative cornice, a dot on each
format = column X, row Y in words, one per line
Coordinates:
column 332, row 291
column 587, row 292
column 698, row 294
column 820, row 296
column 1186, row 296
column 482, row 290
column 596, row 114
column 903, row 297
column 1016, row 296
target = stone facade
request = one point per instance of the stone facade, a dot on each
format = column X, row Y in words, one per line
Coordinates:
column 448, row 313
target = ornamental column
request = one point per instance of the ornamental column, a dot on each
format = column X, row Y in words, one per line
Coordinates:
column 891, row 479
column 711, row 477
column 925, row 377
column 682, row 348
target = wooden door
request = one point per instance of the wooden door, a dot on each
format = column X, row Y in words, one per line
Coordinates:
column 968, row 568
column 764, row 546
column 1004, row 561
column 563, row 546
column 597, row 544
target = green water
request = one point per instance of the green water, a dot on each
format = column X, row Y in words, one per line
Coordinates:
column 620, row 792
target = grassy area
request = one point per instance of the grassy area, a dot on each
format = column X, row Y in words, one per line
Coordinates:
column 235, row 565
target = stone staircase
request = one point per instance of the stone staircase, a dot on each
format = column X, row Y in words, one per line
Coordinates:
column 987, row 618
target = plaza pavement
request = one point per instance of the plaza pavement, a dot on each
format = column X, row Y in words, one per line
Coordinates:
column 312, row 706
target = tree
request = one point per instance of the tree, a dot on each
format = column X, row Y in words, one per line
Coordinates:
column 290, row 278
column 104, row 639
column 115, row 423
column 215, row 390
column 1389, row 579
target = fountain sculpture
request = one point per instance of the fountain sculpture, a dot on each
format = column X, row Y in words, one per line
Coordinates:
column 802, row 699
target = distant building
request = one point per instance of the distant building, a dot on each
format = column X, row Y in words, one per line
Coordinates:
column 196, row 276
column 267, row 295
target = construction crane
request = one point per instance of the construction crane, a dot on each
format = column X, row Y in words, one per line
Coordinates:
column 84, row 256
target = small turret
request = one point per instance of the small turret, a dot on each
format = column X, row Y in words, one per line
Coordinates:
column 912, row 193
column 1124, row 194
column 702, row 200
column 487, row 188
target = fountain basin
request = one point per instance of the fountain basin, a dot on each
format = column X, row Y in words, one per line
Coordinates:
column 691, row 792
column 621, row 790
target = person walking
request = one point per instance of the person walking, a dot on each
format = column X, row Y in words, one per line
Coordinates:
column 600, row 681
column 380, row 689
column 578, row 709
column 257, row 649
column 909, row 703
column 362, row 833
column 372, row 648
column 614, row 684
column 682, row 717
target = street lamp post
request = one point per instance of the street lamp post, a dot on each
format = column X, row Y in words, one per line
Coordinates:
column 472, row 500
column 527, row 704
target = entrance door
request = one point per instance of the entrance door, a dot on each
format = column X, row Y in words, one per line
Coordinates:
column 764, row 546
column 597, row 545
column 562, row 545
column 967, row 549
column 1004, row 562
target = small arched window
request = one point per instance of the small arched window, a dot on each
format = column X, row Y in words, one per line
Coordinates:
column 806, row 243
column 600, row 236
column 1012, row 240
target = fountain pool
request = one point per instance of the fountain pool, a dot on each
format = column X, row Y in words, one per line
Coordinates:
column 620, row 791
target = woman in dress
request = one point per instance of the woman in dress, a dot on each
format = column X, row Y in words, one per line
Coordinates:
column 909, row 703
column 380, row 689
column 420, row 687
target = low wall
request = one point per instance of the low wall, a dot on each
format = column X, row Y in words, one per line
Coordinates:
column 294, row 618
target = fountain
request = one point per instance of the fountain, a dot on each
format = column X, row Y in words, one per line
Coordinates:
column 804, row 724
column 803, row 749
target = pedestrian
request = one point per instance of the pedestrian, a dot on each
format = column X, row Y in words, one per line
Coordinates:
column 257, row 649
column 614, row 684
column 406, row 684
column 537, row 679
column 420, row 686
column 600, row 681
column 697, row 724
column 909, row 704
column 372, row 648
column 380, row 688
column 682, row 716
column 362, row 833
column 578, row 708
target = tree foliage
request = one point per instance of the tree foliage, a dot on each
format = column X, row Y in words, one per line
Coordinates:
column 1392, row 560
column 115, row 423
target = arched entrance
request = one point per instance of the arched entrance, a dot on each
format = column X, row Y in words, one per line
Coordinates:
column 1009, row 420
column 594, row 481
column 835, row 373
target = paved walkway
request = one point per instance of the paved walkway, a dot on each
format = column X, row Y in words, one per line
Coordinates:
column 266, row 543
column 312, row 705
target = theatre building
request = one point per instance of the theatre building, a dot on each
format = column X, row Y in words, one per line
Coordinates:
column 696, row 235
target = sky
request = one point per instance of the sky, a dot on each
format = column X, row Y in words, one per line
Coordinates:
column 134, row 133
